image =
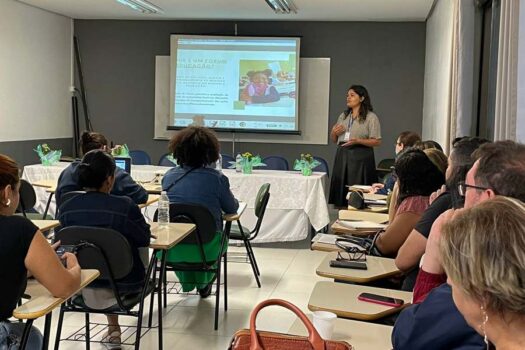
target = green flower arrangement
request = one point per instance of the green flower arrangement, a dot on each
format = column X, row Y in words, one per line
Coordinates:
column 305, row 164
column 248, row 161
column 171, row 159
column 120, row 151
column 47, row 155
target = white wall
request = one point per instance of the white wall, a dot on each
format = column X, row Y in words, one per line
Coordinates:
column 520, row 115
column 35, row 73
column 438, row 60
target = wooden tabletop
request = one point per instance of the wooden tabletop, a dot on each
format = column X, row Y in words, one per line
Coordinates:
column 152, row 188
column 374, row 196
column 42, row 302
column 377, row 268
column 237, row 216
column 325, row 247
column 341, row 299
column 361, row 335
column 45, row 225
column 171, row 235
column 372, row 209
column 45, row 183
column 152, row 198
column 339, row 229
column 355, row 215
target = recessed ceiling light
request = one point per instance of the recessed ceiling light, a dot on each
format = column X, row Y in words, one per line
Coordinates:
column 282, row 6
column 142, row 6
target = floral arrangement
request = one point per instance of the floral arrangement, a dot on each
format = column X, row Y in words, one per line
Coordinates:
column 305, row 164
column 47, row 155
column 171, row 159
column 120, row 151
column 248, row 161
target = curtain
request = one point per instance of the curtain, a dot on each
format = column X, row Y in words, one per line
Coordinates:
column 506, row 81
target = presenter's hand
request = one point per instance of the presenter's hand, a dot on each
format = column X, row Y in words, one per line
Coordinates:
column 338, row 129
column 351, row 142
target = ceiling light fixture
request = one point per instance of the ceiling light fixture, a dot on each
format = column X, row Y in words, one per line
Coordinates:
column 282, row 6
column 142, row 6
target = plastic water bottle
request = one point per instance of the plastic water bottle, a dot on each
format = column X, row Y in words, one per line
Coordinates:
column 238, row 160
column 164, row 210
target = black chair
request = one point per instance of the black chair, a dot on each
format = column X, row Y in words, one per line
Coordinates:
column 276, row 163
column 164, row 161
column 226, row 159
column 139, row 157
column 205, row 232
column 323, row 167
column 28, row 201
column 243, row 234
column 107, row 251
column 384, row 167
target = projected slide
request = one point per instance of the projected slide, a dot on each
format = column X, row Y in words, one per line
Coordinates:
column 235, row 82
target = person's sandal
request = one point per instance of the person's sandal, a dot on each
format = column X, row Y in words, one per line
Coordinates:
column 112, row 341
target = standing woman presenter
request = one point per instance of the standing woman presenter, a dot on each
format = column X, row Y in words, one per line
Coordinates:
column 356, row 133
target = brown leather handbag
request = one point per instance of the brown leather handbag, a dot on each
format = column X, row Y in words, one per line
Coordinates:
column 251, row 339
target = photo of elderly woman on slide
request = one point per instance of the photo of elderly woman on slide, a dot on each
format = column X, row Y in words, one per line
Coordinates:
column 259, row 89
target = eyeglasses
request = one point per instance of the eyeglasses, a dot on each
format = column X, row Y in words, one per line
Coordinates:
column 462, row 188
column 352, row 254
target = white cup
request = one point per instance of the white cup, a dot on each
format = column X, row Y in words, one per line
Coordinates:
column 324, row 322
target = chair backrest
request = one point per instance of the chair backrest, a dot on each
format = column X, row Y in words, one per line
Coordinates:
column 226, row 159
column 139, row 157
column 386, row 163
column 103, row 249
column 323, row 167
column 27, row 197
column 261, row 201
column 164, row 161
column 276, row 163
column 194, row 214
column 65, row 198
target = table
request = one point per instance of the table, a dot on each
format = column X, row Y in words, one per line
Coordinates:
column 339, row 229
column 296, row 201
column 377, row 268
column 165, row 238
column 341, row 299
column 356, row 215
column 42, row 302
column 45, row 225
column 361, row 335
column 152, row 198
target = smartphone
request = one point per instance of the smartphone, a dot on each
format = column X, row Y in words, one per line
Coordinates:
column 380, row 299
column 359, row 265
column 65, row 249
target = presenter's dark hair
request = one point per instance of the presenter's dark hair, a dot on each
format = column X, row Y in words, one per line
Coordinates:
column 92, row 140
column 195, row 146
column 96, row 166
column 461, row 162
column 417, row 175
column 8, row 172
column 366, row 104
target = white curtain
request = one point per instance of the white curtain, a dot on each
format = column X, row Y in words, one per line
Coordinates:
column 506, row 82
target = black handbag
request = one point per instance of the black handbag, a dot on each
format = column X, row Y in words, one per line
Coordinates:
column 356, row 200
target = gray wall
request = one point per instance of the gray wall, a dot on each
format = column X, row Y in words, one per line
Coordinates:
column 23, row 151
column 118, row 59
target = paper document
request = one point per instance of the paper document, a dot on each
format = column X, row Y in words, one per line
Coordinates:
column 361, row 225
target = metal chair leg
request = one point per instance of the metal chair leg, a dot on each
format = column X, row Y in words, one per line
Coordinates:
column 253, row 258
column 59, row 327
column 217, row 296
column 87, row 331
column 252, row 263
column 225, row 281
column 25, row 334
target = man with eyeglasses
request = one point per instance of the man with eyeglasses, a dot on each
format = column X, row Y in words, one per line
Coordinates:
column 436, row 323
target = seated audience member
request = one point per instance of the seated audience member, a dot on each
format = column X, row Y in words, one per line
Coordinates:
column 405, row 140
column 483, row 250
column 459, row 162
column 97, row 207
column 23, row 250
column 423, row 145
column 418, row 177
column 435, row 322
column 124, row 184
column 196, row 150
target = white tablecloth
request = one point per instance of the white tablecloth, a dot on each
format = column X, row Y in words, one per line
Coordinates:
column 296, row 201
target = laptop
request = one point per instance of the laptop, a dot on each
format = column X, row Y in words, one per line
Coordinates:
column 123, row 163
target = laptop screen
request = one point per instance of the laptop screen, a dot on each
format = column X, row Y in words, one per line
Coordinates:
column 123, row 163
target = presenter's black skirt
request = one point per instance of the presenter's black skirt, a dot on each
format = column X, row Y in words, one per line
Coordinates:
column 353, row 165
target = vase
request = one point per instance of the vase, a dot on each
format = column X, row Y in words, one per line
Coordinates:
column 306, row 171
column 247, row 168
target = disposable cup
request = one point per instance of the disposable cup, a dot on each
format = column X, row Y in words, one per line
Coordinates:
column 324, row 322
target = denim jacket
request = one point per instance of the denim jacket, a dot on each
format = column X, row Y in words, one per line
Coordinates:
column 124, row 185
column 204, row 186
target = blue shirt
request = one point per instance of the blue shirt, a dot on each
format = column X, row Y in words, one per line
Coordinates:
column 435, row 324
column 124, row 185
column 97, row 209
column 204, row 186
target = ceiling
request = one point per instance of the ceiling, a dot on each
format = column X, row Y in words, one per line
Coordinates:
column 309, row 10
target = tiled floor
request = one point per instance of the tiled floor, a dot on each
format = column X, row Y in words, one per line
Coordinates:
column 188, row 320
